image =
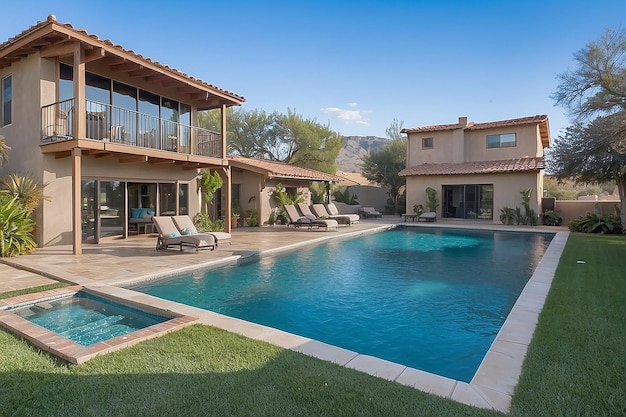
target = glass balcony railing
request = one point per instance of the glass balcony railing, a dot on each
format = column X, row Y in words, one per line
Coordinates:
column 114, row 124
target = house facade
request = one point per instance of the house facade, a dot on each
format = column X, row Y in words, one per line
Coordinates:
column 107, row 130
column 477, row 168
column 255, row 180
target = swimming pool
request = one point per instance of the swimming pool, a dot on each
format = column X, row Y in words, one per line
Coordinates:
column 87, row 319
column 431, row 299
column 77, row 323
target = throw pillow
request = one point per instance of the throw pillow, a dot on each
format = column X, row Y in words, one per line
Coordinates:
column 186, row 231
column 173, row 235
column 135, row 213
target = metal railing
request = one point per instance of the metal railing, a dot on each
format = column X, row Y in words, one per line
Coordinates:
column 114, row 124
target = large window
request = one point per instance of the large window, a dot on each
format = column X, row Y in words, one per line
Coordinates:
column 7, row 99
column 507, row 140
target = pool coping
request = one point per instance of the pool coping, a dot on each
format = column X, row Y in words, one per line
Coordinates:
column 69, row 350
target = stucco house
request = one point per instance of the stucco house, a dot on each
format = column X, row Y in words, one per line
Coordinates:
column 477, row 168
column 108, row 130
column 254, row 181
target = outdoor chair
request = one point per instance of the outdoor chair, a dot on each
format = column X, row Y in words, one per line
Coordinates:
column 169, row 235
column 334, row 211
column 187, row 228
column 320, row 211
column 369, row 212
column 429, row 216
column 298, row 220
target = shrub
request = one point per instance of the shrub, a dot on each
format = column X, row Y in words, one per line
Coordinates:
column 433, row 203
column 592, row 223
column 507, row 215
column 16, row 228
column 204, row 224
column 551, row 218
column 345, row 197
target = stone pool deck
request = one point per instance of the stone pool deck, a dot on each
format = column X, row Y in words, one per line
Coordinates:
column 115, row 262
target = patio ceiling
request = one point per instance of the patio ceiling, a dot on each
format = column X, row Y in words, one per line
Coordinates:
column 131, row 154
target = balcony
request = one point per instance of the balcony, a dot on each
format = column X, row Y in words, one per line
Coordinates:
column 108, row 123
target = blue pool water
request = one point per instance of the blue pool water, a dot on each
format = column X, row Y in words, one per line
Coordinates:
column 430, row 299
column 86, row 319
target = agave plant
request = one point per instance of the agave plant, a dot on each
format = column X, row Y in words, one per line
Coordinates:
column 16, row 228
column 25, row 188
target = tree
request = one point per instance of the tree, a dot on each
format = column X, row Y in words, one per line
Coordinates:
column 289, row 138
column 596, row 151
column 394, row 129
column 382, row 166
column 207, row 185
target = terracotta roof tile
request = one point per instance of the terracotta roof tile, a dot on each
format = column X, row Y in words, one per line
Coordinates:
column 476, row 126
column 479, row 167
column 511, row 122
column 273, row 169
column 433, row 128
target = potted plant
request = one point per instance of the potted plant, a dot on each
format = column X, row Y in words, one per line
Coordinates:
column 234, row 216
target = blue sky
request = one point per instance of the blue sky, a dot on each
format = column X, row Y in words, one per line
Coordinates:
column 356, row 65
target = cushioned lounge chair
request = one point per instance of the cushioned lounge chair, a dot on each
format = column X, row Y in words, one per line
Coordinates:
column 186, row 227
column 169, row 235
column 297, row 220
column 429, row 216
column 334, row 211
column 369, row 212
column 306, row 212
column 320, row 211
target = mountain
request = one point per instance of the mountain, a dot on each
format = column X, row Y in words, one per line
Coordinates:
column 355, row 148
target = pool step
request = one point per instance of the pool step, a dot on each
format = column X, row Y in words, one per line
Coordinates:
column 92, row 328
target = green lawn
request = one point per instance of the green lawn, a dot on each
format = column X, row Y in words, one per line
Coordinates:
column 32, row 290
column 576, row 366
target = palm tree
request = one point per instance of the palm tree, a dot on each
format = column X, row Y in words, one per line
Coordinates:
column 4, row 151
column 27, row 190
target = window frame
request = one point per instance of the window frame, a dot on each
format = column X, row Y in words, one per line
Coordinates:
column 501, row 144
column 6, row 105
column 425, row 143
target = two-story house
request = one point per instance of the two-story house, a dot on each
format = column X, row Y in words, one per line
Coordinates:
column 477, row 168
column 112, row 134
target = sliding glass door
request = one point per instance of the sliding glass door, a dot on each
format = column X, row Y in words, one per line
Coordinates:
column 468, row 201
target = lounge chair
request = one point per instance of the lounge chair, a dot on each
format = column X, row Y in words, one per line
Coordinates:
column 429, row 216
column 334, row 211
column 298, row 220
column 320, row 211
column 186, row 227
column 369, row 212
column 169, row 235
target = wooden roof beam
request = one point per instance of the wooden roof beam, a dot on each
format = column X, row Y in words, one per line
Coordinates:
column 59, row 49
column 133, row 159
column 93, row 55
column 123, row 67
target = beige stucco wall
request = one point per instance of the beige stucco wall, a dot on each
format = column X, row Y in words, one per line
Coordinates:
column 506, row 189
column 571, row 209
column 448, row 147
column 34, row 85
column 457, row 146
column 528, row 144
column 255, row 184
